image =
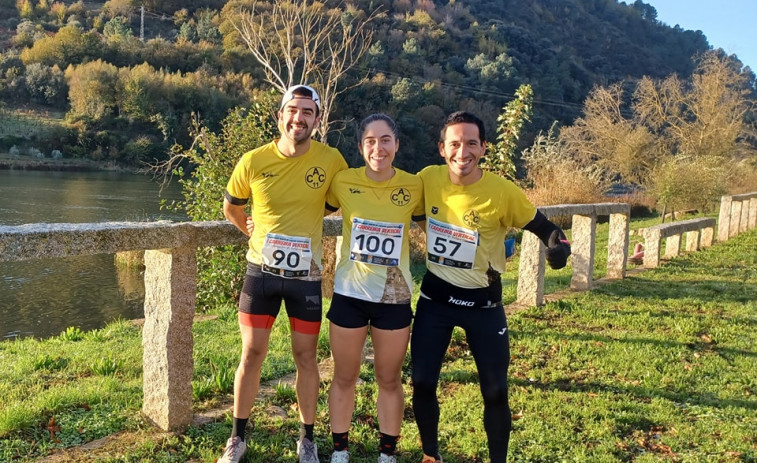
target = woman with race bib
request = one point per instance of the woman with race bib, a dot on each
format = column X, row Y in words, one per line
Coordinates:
column 372, row 282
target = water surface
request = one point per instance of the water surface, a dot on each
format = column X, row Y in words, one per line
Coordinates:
column 43, row 297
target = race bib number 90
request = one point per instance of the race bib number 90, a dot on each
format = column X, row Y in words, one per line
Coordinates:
column 287, row 256
column 450, row 245
column 378, row 243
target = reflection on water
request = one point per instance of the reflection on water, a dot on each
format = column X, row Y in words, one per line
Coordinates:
column 42, row 297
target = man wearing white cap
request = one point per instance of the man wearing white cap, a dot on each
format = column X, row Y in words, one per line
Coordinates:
column 286, row 183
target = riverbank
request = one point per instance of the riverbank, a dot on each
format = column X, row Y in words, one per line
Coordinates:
column 8, row 162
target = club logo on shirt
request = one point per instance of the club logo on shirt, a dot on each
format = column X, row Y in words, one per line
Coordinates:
column 356, row 191
column 471, row 218
column 434, row 210
column 400, row 196
column 315, row 177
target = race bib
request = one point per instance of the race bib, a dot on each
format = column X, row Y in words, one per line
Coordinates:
column 450, row 245
column 378, row 243
column 287, row 256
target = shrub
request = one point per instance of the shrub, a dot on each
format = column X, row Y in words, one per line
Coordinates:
column 556, row 178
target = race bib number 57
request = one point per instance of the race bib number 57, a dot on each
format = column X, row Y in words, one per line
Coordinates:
column 287, row 256
column 450, row 245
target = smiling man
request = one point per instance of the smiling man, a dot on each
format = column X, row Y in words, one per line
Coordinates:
column 286, row 183
column 468, row 213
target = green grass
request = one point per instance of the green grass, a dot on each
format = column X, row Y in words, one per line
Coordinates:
column 27, row 123
column 658, row 367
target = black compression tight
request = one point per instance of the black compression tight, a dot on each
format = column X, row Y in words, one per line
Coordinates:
column 489, row 342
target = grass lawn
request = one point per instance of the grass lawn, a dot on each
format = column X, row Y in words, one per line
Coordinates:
column 661, row 366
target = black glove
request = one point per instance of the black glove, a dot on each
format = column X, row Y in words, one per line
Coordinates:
column 558, row 250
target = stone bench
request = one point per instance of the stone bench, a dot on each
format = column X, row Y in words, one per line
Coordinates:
column 583, row 241
column 699, row 234
column 738, row 213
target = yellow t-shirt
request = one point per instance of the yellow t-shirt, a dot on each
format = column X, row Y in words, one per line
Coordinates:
column 287, row 196
column 374, row 259
column 466, row 225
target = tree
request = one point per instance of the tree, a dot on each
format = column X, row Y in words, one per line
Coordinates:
column 306, row 42
column 45, row 84
column 59, row 11
column 117, row 27
column 677, row 138
column 92, row 89
column 605, row 136
column 510, row 124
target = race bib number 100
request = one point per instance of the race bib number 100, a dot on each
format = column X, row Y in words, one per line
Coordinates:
column 378, row 243
column 287, row 256
column 450, row 245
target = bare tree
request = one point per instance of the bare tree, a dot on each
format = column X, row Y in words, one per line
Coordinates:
column 680, row 139
column 306, row 42
column 606, row 137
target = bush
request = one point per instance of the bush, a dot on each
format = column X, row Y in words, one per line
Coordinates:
column 554, row 177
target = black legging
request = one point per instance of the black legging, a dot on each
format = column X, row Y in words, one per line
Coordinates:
column 489, row 342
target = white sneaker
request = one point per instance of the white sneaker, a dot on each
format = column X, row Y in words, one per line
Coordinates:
column 307, row 451
column 340, row 456
column 235, row 448
column 384, row 458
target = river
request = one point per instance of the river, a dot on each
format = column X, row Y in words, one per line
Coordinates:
column 41, row 298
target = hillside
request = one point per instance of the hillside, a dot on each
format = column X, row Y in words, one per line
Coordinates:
column 428, row 58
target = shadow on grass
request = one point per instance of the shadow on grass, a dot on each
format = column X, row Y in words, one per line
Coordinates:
column 703, row 289
column 696, row 346
column 642, row 393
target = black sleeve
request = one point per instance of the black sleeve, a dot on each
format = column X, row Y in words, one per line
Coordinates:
column 542, row 227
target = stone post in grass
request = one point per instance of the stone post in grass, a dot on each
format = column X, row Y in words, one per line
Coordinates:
column 170, row 290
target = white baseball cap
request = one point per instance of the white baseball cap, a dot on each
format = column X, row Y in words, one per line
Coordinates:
column 289, row 95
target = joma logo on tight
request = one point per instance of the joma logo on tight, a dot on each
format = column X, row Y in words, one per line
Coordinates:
column 452, row 300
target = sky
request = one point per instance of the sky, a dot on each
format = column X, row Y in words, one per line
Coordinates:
column 727, row 24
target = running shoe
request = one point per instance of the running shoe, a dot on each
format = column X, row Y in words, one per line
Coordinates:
column 235, row 448
column 307, row 451
column 384, row 458
column 340, row 456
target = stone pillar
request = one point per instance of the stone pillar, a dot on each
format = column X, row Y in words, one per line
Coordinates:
column 584, row 232
column 617, row 247
column 724, row 219
column 170, row 290
column 692, row 240
column 744, row 222
column 531, row 271
column 752, row 222
column 672, row 246
column 652, row 240
column 735, row 219
column 705, row 240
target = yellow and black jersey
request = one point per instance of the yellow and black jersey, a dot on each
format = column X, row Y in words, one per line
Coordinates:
column 466, row 225
column 374, row 259
column 287, row 199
